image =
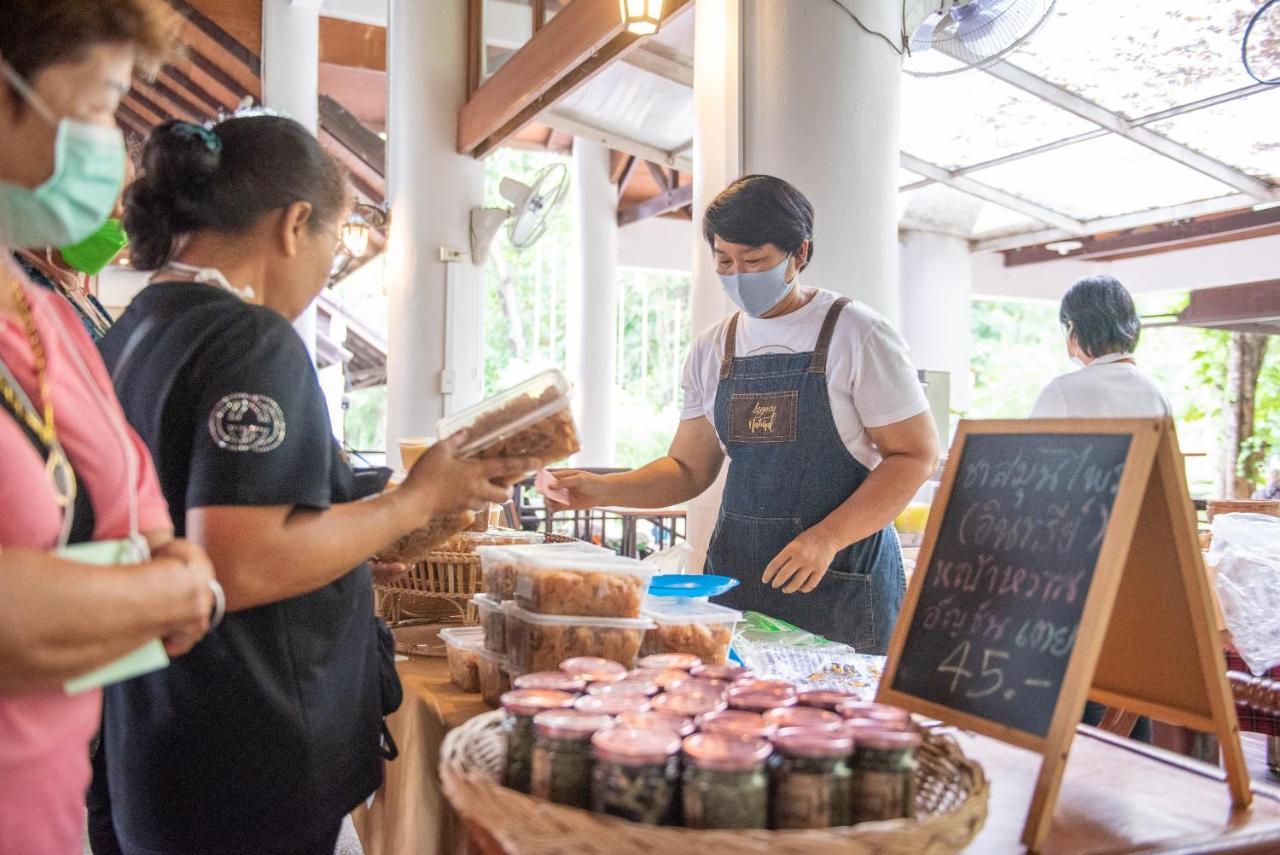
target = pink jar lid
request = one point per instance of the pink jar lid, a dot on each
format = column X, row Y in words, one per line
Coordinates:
column 677, row 724
column 702, row 684
column 670, row 678
column 569, row 724
column 736, row 723
column 612, row 705
column 729, row 671
column 688, row 704
column 635, row 745
column 868, row 709
column 878, row 736
column 813, row 742
column 779, row 685
column 681, row 661
column 754, row 699
column 806, row 717
column 726, row 753
column 530, row 702
column 629, row 686
column 882, row 724
column 824, row 699
column 593, row 669
column 558, row 680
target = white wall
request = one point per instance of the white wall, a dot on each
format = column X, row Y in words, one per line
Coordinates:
column 658, row 243
column 1182, row 270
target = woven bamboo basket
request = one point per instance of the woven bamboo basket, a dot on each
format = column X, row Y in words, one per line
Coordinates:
column 951, row 807
column 437, row 589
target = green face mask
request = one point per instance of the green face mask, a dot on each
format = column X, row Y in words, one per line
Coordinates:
column 98, row 249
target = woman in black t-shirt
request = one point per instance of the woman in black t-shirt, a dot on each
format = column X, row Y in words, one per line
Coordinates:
column 267, row 733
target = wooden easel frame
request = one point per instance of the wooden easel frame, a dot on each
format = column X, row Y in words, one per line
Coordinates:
column 1150, row 545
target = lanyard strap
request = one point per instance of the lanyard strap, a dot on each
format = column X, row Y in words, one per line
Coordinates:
column 78, row 519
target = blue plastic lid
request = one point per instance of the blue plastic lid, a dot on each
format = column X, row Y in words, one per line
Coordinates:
column 690, row 586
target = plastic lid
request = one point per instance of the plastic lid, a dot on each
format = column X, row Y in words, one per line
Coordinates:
column 699, row 684
column 760, row 700
column 635, row 745
column 503, row 537
column 824, row 699
column 780, row 685
column 812, row 742
column 805, row 717
column 729, row 671
column 629, row 686
column 519, row 550
column 907, row 726
column 594, row 669
column 555, row 680
column 530, row 702
column 726, row 752
column 875, row 737
column 612, row 705
column 688, row 704
column 569, row 724
column 671, row 661
column 736, row 723
column 691, row 585
column 549, row 385
column 874, row 711
column 681, row 612
column 514, row 610
column 463, row 637
column 484, row 603
column 677, row 724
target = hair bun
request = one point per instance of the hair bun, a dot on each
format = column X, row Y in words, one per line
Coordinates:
column 182, row 154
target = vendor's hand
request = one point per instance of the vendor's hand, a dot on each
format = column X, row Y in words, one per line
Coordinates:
column 586, row 490
column 384, row 574
column 194, row 596
column 441, row 482
column 801, row 565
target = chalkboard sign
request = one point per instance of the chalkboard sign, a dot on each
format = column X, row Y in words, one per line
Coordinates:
column 1005, row 586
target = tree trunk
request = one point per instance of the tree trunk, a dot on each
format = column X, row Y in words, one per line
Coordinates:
column 1245, row 354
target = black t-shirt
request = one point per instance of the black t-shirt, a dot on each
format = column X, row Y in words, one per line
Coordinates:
column 267, row 732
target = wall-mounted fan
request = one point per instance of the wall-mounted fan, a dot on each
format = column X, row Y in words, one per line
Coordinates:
column 532, row 206
column 1260, row 49
column 961, row 35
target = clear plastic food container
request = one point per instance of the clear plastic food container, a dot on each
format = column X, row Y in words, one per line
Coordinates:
column 470, row 541
column 581, row 585
column 498, row 563
column 493, row 622
column 463, row 646
column 689, row 626
column 541, row 642
column 494, row 679
column 533, row 419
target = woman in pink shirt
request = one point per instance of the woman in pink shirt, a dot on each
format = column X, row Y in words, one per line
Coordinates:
column 71, row 468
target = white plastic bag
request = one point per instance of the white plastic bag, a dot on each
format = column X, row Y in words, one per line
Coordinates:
column 674, row 561
column 1246, row 548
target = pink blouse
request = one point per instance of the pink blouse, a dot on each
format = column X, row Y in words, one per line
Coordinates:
column 44, row 737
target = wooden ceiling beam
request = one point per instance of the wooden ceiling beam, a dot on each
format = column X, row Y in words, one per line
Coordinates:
column 235, row 45
column 627, row 171
column 180, row 100
column 353, row 44
column 672, row 200
column 351, row 132
column 660, row 175
column 575, row 45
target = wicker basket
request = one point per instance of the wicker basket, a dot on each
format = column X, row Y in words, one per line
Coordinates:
column 438, row 589
column 951, row 804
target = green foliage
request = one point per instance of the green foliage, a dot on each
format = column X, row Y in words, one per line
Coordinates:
column 365, row 419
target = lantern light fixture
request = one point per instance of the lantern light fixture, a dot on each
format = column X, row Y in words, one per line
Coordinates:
column 641, row 17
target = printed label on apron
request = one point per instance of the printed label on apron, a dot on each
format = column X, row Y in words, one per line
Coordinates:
column 767, row 417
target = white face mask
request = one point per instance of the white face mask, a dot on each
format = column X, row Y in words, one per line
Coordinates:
column 758, row 292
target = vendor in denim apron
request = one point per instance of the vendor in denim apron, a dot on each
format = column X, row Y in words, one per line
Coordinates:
column 813, row 399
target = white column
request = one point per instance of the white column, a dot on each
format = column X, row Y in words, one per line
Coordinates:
column 593, row 320
column 800, row 91
column 936, row 277
column 433, row 367
column 291, row 85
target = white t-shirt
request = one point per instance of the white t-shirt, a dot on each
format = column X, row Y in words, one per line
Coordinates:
column 1106, row 388
column 870, row 378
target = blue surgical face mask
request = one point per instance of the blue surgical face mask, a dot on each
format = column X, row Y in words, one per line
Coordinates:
column 88, row 174
column 758, row 292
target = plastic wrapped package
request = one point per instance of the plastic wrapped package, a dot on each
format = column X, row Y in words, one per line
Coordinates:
column 463, row 645
column 541, row 642
column 421, row 542
column 532, row 419
column 702, row 629
column 498, row 563
column 1246, row 550
column 470, row 541
column 675, row 560
column 580, row 585
column 493, row 622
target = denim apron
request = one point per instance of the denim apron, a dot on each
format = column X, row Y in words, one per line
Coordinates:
column 788, row 470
